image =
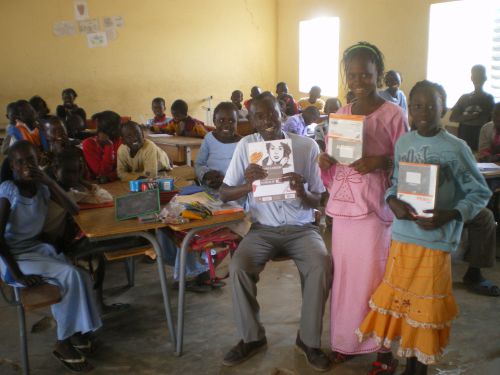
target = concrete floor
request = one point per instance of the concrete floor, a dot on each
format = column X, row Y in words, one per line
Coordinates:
column 136, row 342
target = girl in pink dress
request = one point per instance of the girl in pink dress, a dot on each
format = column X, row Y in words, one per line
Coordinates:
column 361, row 219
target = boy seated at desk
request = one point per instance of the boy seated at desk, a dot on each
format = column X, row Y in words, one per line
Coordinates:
column 182, row 124
column 139, row 157
column 100, row 151
column 160, row 118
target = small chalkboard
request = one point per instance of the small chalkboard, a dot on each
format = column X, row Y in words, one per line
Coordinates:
column 137, row 204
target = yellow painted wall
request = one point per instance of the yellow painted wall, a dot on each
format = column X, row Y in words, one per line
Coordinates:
column 186, row 49
column 398, row 27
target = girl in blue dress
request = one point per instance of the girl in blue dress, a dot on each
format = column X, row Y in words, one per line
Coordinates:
column 27, row 261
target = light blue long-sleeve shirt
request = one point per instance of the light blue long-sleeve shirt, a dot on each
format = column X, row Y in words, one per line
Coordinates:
column 460, row 186
column 213, row 155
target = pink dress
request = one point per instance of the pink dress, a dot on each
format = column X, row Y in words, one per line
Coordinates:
column 361, row 229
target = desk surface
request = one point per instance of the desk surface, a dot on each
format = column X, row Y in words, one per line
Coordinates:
column 176, row 141
column 101, row 222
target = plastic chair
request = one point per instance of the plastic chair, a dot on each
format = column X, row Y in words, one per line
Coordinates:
column 25, row 300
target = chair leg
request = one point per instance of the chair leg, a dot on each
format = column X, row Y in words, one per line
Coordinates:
column 22, row 332
column 130, row 270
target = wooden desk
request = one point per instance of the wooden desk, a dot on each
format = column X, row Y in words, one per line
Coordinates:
column 100, row 224
column 194, row 227
column 182, row 145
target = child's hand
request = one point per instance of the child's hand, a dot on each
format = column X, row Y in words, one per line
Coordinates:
column 401, row 209
column 213, row 179
column 254, row 172
column 103, row 139
column 325, row 161
column 29, row 280
column 369, row 164
column 438, row 219
column 102, row 180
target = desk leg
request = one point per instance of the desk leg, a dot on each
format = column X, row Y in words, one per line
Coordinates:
column 188, row 155
column 163, row 282
column 182, row 280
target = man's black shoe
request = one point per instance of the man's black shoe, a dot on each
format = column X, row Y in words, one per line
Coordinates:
column 242, row 351
column 315, row 357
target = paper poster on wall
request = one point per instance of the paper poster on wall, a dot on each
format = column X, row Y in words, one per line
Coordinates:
column 81, row 10
column 111, row 34
column 95, row 40
column 88, row 26
column 64, row 28
column 112, row 21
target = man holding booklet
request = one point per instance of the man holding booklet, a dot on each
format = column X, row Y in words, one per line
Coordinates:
column 281, row 225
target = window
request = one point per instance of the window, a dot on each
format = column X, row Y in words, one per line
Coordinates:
column 462, row 34
column 319, row 55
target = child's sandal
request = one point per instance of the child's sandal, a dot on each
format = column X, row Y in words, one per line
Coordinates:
column 379, row 368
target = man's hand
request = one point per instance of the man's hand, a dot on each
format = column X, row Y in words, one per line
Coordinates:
column 438, row 219
column 213, row 179
column 254, row 172
column 325, row 161
column 401, row 209
column 29, row 280
column 369, row 164
column 296, row 183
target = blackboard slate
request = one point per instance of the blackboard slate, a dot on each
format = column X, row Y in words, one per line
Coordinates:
column 137, row 204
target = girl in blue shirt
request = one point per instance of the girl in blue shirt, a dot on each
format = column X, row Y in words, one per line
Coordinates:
column 414, row 303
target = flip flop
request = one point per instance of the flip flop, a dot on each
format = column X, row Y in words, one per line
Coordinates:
column 70, row 362
column 338, row 357
column 114, row 308
column 379, row 368
column 485, row 288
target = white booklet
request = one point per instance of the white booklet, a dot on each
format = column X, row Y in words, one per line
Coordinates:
column 345, row 137
column 276, row 157
column 417, row 186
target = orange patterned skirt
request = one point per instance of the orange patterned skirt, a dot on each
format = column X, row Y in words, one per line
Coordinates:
column 414, row 304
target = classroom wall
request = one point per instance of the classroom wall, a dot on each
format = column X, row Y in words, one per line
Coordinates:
column 186, row 49
column 398, row 27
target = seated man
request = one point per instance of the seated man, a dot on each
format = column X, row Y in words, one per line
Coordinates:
column 182, row 124
column 298, row 123
column 279, row 227
column 139, row 157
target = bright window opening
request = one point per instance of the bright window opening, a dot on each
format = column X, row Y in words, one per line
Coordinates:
column 319, row 55
column 462, row 34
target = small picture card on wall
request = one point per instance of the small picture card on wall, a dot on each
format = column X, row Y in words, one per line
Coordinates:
column 88, row 26
column 96, row 40
column 111, row 34
column 112, row 22
column 81, row 10
column 64, row 28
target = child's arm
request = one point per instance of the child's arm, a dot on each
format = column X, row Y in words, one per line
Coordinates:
column 200, row 165
column 14, row 270
column 199, row 130
column 327, row 166
column 473, row 187
column 57, row 194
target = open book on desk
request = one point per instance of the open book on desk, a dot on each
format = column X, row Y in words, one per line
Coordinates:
column 214, row 205
column 159, row 135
